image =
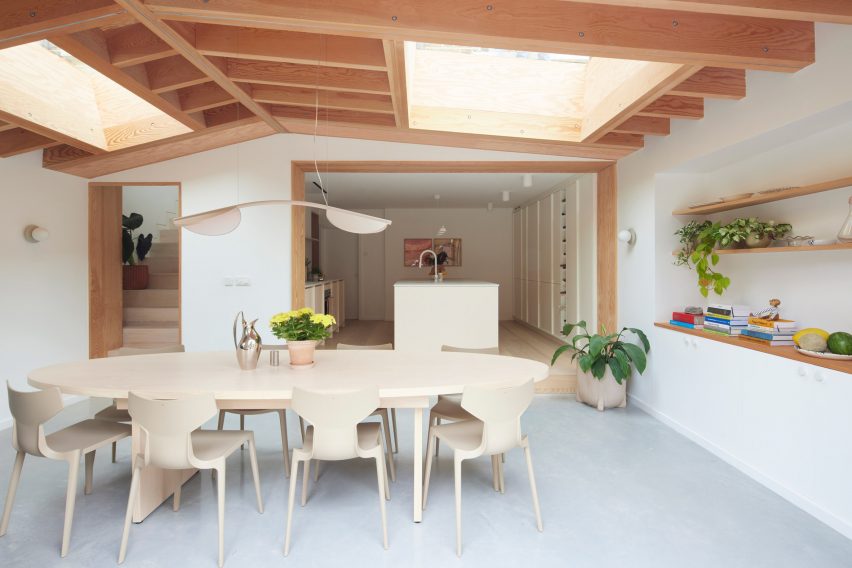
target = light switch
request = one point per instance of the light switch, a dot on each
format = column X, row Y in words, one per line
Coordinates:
column 228, row 281
column 242, row 281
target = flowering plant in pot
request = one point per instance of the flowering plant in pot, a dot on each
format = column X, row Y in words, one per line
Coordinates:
column 302, row 329
column 606, row 361
column 134, row 274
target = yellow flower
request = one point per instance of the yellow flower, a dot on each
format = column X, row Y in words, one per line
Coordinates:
column 323, row 320
column 281, row 317
column 303, row 311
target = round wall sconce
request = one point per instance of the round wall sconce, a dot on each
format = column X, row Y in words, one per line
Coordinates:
column 35, row 234
column 627, row 236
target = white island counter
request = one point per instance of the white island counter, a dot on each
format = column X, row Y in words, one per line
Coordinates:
column 460, row 313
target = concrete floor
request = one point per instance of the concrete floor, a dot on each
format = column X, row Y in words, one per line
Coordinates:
column 617, row 489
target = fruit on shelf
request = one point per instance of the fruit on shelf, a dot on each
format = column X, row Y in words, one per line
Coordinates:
column 813, row 342
column 800, row 334
column 840, row 343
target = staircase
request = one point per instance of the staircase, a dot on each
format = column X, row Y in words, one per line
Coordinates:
column 152, row 316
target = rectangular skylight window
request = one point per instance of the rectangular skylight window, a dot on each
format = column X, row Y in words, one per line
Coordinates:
column 508, row 53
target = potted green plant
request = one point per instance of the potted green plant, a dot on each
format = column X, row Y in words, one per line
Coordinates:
column 134, row 249
column 605, row 363
column 688, row 239
column 763, row 232
column 302, row 329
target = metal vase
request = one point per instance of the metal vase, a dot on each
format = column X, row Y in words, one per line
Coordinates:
column 249, row 345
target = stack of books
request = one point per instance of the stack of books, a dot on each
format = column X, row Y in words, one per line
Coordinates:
column 770, row 332
column 689, row 321
column 726, row 319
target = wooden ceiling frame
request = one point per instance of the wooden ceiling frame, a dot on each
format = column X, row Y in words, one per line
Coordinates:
column 25, row 21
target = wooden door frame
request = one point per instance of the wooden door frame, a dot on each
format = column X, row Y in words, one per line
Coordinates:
column 103, row 302
column 606, row 212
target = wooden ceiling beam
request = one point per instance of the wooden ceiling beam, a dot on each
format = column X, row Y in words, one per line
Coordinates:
column 395, row 61
column 26, row 21
column 224, row 114
column 553, row 26
column 647, row 125
column 176, row 40
column 830, row 11
column 290, row 47
column 341, row 100
column 671, row 106
column 294, row 75
column 622, row 140
column 92, row 48
column 134, row 44
column 202, row 97
column 172, row 73
column 333, row 115
column 714, row 83
column 18, row 141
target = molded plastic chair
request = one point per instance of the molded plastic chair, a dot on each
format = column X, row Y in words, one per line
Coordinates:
column 496, row 429
column 282, row 423
column 112, row 413
column 173, row 441
column 448, row 407
column 30, row 410
column 391, row 445
column 337, row 433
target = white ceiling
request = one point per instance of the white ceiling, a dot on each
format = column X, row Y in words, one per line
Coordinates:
column 415, row 191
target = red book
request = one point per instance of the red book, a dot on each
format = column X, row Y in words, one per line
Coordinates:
column 695, row 319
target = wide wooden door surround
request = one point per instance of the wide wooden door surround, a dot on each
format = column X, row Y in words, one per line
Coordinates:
column 607, row 213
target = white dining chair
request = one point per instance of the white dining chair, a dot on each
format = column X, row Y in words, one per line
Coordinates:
column 114, row 414
column 495, row 430
column 30, row 411
column 392, row 446
column 448, row 407
column 282, row 424
column 173, row 440
column 336, row 432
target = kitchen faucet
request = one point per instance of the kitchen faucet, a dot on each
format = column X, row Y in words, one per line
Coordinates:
column 420, row 262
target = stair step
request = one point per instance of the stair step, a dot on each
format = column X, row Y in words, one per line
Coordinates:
column 151, row 314
column 151, row 298
column 160, row 264
column 164, row 249
column 136, row 336
column 168, row 236
column 163, row 281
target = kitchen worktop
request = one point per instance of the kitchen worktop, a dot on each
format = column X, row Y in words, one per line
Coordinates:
column 444, row 283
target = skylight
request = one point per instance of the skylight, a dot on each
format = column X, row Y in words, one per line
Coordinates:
column 509, row 53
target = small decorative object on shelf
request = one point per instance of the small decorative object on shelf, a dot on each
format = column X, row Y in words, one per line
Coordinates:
column 249, row 344
column 770, row 313
column 815, row 342
column 797, row 241
column 302, row 329
column 694, row 310
column 845, row 233
column 606, row 362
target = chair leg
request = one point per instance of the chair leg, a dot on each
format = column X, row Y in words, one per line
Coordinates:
column 494, row 474
column 254, row 473
column 242, row 428
column 395, row 431
column 384, row 469
column 13, row 488
column 437, row 442
column 428, row 473
column 533, row 489
column 305, row 475
column 114, row 448
column 501, row 477
column 285, row 442
column 221, row 424
column 128, row 516
column 70, row 497
column 316, row 470
column 458, row 474
column 220, row 497
column 90, row 467
column 386, row 427
column 302, row 428
column 176, row 497
column 380, row 476
column 294, row 474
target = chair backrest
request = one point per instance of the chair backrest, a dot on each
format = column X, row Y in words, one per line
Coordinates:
column 168, row 425
column 335, row 418
column 483, row 351
column 500, row 409
column 382, row 347
column 124, row 351
column 30, row 411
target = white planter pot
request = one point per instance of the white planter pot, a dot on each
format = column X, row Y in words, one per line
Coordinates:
column 603, row 393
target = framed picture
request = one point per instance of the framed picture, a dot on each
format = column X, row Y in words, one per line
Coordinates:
column 450, row 247
column 411, row 249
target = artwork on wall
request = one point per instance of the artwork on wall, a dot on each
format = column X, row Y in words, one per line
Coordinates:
column 448, row 250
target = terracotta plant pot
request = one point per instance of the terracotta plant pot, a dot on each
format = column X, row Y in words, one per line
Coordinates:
column 302, row 352
column 603, row 393
column 134, row 276
column 754, row 241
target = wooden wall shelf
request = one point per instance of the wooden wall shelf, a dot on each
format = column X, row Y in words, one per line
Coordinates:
column 786, row 352
column 757, row 199
column 836, row 246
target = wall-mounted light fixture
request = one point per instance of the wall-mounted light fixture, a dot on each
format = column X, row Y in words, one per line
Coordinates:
column 505, row 196
column 527, row 180
column 627, row 236
column 35, row 234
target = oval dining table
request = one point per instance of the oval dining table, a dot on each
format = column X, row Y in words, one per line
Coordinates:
column 404, row 379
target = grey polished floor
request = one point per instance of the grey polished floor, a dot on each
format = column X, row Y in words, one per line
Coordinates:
column 617, row 488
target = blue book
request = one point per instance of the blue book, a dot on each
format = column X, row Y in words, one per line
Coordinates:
column 768, row 336
column 686, row 325
column 725, row 322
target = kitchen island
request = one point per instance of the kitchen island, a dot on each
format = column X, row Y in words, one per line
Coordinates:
column 460, row 313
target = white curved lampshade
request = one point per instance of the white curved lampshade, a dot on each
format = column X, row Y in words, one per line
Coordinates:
column 355, row 222
column 212, row 223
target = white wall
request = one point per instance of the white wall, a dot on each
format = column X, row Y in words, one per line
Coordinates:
column 43, row 286
column 158, row 205
column 339, row 252
column 486, row 248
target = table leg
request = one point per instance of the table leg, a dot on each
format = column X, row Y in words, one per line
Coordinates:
column 155, row 484
column 418, row 465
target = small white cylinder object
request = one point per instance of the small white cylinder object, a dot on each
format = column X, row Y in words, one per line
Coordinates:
column 627, row 236
column 36, row 234
column 505, row 196
column 527, row 180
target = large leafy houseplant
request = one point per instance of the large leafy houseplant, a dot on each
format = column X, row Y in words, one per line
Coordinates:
column 688, row 239
column 595, row 353
column 133, row 251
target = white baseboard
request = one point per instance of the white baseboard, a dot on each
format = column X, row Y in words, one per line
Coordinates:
column 830, row 519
